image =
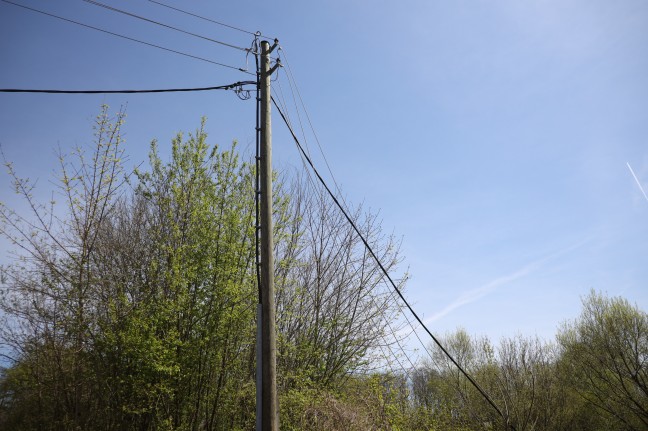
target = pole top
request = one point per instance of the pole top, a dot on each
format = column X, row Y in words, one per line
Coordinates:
column 265, row 49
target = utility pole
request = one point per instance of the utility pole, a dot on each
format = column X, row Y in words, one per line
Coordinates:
column 269, row 400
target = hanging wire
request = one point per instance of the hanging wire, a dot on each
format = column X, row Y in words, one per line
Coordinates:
column 398, row 343
column 280, row 99
column 388, row 277
column 283, row 106
column 294, row 89
column 242, row 93
column 280, row 93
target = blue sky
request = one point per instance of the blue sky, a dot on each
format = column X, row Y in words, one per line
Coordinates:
column 506, row 142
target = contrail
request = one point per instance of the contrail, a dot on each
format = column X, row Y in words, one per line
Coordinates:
column 478, row 293
column 637, row 180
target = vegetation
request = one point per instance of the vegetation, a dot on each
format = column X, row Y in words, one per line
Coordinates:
column 133, row 307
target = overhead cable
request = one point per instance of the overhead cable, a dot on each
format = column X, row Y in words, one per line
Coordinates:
column 235, row 86
column 210, row 20
column 384, row 271
column 294, row 88
column 114, row 9
column 284, row 106
column 128, row 37
column 293, row 82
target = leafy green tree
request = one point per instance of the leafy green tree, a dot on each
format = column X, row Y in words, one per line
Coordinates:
column 180, row 333
column 134, row 307
column 521, row 376
column 605, row 353
column 135, row 311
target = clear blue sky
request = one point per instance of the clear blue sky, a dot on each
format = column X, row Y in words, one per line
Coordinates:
column 495, row 137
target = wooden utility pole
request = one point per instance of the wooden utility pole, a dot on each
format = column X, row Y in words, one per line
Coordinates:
column 269, row 401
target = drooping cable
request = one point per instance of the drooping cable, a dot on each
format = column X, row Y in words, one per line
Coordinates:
column 396, row 339
column 235, row 86
column 400, row 346
column 114, row 9
column 294, row 89
column 391, row 281
column 128, row 37
column 284, row 106
column 406, row 373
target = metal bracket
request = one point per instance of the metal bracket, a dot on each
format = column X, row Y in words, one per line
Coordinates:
column 274, row 45
column 275, row 67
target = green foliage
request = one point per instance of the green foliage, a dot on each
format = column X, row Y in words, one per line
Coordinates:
column 605, row 356
column 147, row 316
column 135, row 307
column 372, row 402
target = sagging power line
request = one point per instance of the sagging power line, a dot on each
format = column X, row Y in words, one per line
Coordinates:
column 297, row 102
column 384, row 271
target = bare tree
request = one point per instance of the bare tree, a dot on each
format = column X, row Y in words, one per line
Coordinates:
column 332, row 305
column 49, row 289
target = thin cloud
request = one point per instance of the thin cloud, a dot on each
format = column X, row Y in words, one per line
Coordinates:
column 478, row 293
column 637, row 181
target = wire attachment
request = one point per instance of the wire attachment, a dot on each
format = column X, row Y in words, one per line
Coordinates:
column 253, row 49
column 242, row 93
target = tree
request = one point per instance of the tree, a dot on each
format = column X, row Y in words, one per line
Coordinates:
column 605, row 353
column 521, row 376
column 456, row 402
column 134, row 311
column 50, row 293
column 133, row 307
column 332, row 309
column 528, row 386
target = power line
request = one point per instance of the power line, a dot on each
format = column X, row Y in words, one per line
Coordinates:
column 384, row 271
column 291, row 77
column 210, row 20
column 236, row 86
column 284, row 105
column 128, row 37
column 114, row 9
column 294, row 88
column 406, row 373
column 292, row 82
